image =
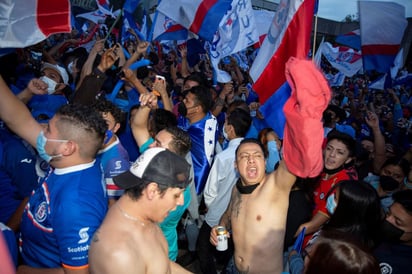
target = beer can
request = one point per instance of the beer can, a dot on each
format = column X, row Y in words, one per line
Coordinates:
column 221, row 238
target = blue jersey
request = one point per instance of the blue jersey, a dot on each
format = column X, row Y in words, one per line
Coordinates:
column 61, row 217
column 46, row 105
column 17, row 174
column 114, row 160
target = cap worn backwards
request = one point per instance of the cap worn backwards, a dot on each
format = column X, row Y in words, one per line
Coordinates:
column 157, row 165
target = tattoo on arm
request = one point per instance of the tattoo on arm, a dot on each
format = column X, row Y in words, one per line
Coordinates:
column 237, row 201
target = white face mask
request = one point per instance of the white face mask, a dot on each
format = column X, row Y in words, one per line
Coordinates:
column 225, row 134
column 51, row 84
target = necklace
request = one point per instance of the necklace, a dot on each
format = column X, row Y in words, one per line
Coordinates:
column 129, row 216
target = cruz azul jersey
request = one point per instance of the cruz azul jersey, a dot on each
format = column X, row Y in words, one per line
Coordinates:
column 62, row 214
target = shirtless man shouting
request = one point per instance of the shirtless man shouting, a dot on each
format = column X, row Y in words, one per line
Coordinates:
column 256, row 215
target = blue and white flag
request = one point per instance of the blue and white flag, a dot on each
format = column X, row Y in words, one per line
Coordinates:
column 382, row 26
column 236, row 31
column 379, row 83
column 397, row 64
column 166, row 29
column 335, row 80
column 201, row 17
column 346, row 60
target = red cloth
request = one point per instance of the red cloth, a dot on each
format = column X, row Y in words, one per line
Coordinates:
column 303, row 134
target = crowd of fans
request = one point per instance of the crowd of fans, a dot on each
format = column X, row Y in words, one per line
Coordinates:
column 358, row 210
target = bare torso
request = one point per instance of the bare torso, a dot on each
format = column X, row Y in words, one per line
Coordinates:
column 258, row 225
column 128, row 246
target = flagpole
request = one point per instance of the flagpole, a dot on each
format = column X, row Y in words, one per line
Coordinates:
column 114, row 23
column 315, row 30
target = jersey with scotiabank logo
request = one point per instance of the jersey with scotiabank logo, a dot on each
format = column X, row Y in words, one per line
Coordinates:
column 62, row 214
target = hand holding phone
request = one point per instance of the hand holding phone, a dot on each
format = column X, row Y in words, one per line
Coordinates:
column 159, row 79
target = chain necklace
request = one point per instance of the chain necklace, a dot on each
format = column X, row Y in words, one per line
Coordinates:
column 129, row 216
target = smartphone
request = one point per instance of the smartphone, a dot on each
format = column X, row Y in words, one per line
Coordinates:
column 160, row 78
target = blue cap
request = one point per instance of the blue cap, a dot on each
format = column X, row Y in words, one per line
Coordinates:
column 346, row 129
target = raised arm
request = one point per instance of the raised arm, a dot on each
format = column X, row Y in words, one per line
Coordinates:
column 372, row 121
column 221, row 99
column 88, row 65
column 16, row 115
column 130, row 77
column 160, row 86
column 140, row 51
column 185, row 65
column 139, row 124
column 303, row 134
column 35, row 86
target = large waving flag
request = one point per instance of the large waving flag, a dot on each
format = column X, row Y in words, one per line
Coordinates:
column 27, row 22
column 289, row 35
column 201, row 17
column 346, row 60
column 236, row 31
column 382, row 26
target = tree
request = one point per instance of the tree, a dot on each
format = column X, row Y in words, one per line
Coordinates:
column 351, row 18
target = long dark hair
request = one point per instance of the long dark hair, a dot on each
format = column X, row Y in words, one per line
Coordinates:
column 338, row 256
column 358, row 212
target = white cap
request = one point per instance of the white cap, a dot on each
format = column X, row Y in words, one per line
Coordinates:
column 62, row 71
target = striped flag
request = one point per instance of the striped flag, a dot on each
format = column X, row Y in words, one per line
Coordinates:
column 346, row 60
column 382, row 25
column 237, row 30
column 350, row 39
column 167, row 29
column 26, row 22
column 289, row 35
column 201, row 17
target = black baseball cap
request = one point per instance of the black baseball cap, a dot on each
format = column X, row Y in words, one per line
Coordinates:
column 157, row 165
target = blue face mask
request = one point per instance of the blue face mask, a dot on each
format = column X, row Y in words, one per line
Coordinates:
column 331, row 204
column 41, row 147
column 109, row 135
